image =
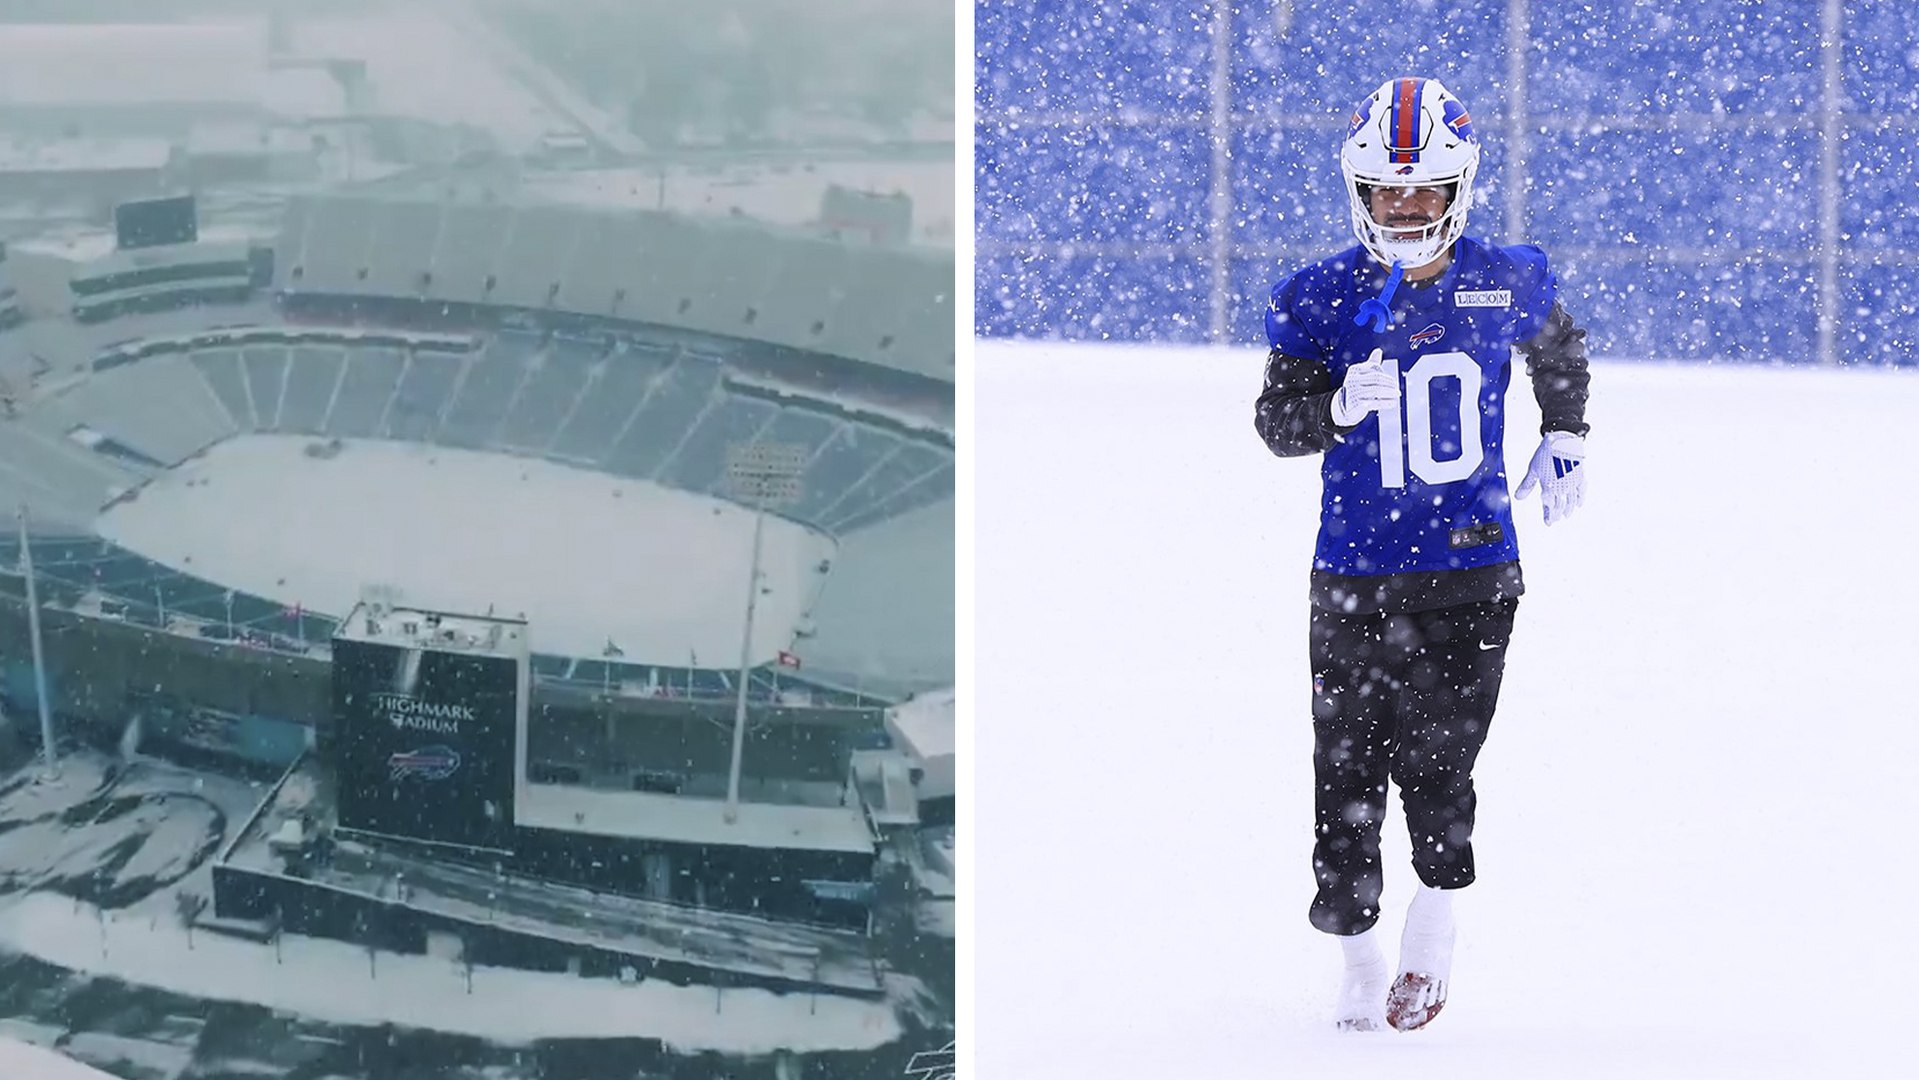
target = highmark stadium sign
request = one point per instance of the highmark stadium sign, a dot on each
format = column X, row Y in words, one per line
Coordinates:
column 407, row 713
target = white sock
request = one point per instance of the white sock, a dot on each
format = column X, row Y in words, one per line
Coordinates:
column 1432, row 909
column 1362, row 949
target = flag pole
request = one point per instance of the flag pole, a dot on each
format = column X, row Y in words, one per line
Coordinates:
column 746, row 665
column 50, row 769
column 763, row 475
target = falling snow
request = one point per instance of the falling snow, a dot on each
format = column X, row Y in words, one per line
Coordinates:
column 1707, row 191
column 1685, row 854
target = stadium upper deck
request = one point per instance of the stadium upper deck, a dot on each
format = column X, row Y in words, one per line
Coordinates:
column 889, row 307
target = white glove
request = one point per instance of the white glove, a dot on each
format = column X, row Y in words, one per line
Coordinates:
column 1368, row 388
column 1558, row 469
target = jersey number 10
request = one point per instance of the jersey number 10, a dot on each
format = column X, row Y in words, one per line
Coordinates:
column 1413, row 437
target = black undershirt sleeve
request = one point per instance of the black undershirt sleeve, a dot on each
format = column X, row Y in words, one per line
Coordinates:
column 1294, row 414
column 1556, row 360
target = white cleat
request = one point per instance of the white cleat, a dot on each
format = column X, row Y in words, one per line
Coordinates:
column 1415, row 999
column 1425, row 962
column 1362, row 997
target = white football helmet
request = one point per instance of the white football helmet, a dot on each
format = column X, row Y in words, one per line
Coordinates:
column 1410, row 133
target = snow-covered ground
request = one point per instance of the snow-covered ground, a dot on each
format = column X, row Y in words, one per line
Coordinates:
column 122, row 834
column 419, row 64
column 335, row 982
column 557, row 97
column 29, row 1062
column 152, row 827
column 1691, row 846
column 662, row 575
column 781, row 194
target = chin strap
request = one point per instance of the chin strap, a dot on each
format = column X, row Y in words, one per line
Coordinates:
column 1379, row 310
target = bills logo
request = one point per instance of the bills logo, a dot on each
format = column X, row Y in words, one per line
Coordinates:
column 856, row 891
column 1458, row 121
column 1359, row 117
column 1430, row 335
column 427, row 763
column 933, row 1064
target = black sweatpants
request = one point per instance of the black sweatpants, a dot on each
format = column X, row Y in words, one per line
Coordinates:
column 1407, row 697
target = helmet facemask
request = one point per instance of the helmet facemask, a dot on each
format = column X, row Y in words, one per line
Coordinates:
column 1410, row 133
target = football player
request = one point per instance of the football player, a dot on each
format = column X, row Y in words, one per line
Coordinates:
column 1391, row 359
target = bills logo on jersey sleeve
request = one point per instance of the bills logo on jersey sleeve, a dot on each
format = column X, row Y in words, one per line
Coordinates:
column 1430, row 335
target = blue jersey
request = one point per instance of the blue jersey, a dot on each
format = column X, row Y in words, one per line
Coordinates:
column 1431, row 494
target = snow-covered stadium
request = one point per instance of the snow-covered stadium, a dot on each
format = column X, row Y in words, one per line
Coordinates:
column 588, row 370
column 349, row 329
column 477, row 408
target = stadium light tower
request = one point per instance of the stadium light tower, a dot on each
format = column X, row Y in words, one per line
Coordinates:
column 50, row 769
column 766, row 475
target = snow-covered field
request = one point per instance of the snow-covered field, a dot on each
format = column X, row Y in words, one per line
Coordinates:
column 1691, row 842
column 663, row 576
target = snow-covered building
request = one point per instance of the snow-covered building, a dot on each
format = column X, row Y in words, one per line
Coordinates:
column 81, row 177
column 923, row 727
column 90, row 276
